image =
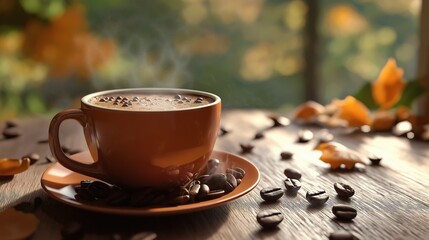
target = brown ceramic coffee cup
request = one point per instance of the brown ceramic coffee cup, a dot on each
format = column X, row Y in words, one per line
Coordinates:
column 147, row 145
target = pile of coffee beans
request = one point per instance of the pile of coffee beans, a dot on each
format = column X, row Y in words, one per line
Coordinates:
column 213, row 184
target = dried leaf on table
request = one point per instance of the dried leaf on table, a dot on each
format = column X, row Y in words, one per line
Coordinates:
column 16, row 224
column 308, row 111
column 10, row 166
column 354, row 112
column 337, row 154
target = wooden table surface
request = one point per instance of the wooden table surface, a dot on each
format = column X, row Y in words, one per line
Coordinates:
column 392, row 200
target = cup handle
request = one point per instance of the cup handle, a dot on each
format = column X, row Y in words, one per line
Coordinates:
column 93, row 169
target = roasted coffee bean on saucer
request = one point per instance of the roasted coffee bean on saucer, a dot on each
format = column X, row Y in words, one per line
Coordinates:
column 269, row 218
column 317, row 197
column 292, row 185
column 271, row 194
column 344, row 190
column 344, row 212
column 237, row 172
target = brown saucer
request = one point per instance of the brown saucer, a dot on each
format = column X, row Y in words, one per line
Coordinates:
column 58, row 183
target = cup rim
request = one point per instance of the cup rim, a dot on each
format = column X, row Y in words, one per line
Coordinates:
column 85, row 99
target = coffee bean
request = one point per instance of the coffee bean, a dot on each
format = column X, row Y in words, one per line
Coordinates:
column 194, row 192
column 85, row 183
column 180, row 200
column 342, row 235
column 50, row 159
column 118, row 197
column 246, row 148
column 10, row 124
column 238, row 181
column 215, row 194
column 292, row 173
column 344, row 190
column 73, row 230
column 269, row 218
column 286, row 155
column 34, row 157
column 144, row 236
column 305, row 136
column 83, row 195
column 203, row 178
column 317, row 197
column 292, row 185
column 344, row 212
column 99, row 189
column 204, row 190
column 177, row 96
column 237, row 172
column 402, row 128
column 223, row 131
column 258, row 135
column 271, row 194
column 279, row 121
column 142, row 197
column 231, row 183
column 216, row 181
column 212, row 166
column 43, row 141
column 375, row 159
column 125, row 105
column 9, row 133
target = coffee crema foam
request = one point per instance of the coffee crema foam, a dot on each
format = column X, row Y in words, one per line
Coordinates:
column 150, row 102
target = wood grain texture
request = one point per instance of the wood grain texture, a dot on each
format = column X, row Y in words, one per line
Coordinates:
column 391, row 199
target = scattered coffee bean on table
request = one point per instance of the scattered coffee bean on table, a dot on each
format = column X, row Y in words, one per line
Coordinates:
column 34, row 157
column 223, row 131
column 279, row 121
column 317, row 197
column 258, row 135
column 286, row 155
column 9, row 133
column 246, row 148
column 271, row 194
column 73, row 230
column 344, row 190
column 10, row 124
column 375, row 159
column 269, row 218
column 305, row 136
column 292, row 173
column 292, row 185
column 50, row 159
column 342, row 235
column 344, row 212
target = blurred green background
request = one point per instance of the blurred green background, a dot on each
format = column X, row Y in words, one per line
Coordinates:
column 249, row 52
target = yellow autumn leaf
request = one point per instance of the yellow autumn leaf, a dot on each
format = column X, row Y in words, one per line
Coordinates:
column 388, row 88
column 354, row 112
